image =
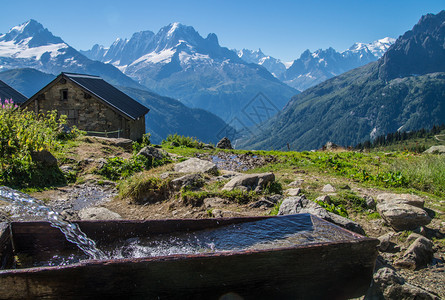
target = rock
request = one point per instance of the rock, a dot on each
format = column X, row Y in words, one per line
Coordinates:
column 98, row 213
column 330, row 146
column 387, row 244
column 192, row 181
column 217, row 213
column 299, row 204
column 412, row 237
column 328, row 189
column 224, row 143
column 401, row 198
column 401, row 216
column 296, row 183
column 345, row 187
column 101, row 163
column 326, row 199
column 293, row 192
column 214, row 202
column 436, row 150
column 44, row 157
column 66, row 169
column 388, row 284
column 250, row 182
column 418, row 255
column 207, row 147
column 267, row 201
column 370, row 202
column 196, row 165
column 152, row 152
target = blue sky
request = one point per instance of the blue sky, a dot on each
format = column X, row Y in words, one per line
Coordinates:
column 283, row 29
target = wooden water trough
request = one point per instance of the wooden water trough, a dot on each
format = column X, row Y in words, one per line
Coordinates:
column 328, row 270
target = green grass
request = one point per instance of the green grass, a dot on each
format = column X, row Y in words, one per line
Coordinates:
column 144, row 188
column 425, row 173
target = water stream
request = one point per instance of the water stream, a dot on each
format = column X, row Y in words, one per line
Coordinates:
column 71, row 231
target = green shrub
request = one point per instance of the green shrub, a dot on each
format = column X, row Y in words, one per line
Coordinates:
column 22, row 133
column 182, row 141
column 336, row 209
column 145, row 141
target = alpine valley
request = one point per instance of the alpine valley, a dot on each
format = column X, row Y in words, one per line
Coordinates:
column 403, row 90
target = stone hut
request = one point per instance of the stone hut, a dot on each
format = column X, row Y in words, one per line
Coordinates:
column 8, row 93
column 91, row 104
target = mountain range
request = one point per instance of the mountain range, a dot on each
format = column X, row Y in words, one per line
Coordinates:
column 30, row 45
column 403, row 90
column 30, row 57
column 178, row 62
column 312, row 68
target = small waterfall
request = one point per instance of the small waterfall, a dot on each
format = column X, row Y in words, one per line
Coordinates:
column 71, row 231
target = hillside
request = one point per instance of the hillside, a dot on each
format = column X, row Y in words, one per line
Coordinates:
column 28, row 81
column 363, row 103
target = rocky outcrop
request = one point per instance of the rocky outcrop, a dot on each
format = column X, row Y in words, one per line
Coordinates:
column 196, row 165
column 388, row 284
column 153, row 153
column 401, row 198
column 250, row 182
column 224, row 143
column 295, row 205
column 419, row 51
column 189, row 181
column 418, row 254
column 267, row 201
column 402, row 212
column 435, row 150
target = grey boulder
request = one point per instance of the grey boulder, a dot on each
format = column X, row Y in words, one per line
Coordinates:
column 250, row 182
column 299, row 204
column 401, row 216
column 152, row 152
column 196, row 165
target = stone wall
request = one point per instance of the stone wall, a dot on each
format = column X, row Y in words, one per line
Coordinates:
column 86, row 111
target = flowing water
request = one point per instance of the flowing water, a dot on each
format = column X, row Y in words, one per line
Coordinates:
column 71, row 231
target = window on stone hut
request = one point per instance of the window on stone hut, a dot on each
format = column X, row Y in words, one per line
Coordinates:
column 64, row 94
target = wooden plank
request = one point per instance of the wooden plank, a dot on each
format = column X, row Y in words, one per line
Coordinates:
column 6, row 254
column 323, row 271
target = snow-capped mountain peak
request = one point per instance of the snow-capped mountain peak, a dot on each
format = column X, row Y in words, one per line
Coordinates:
column 32, row 33
column 30, row 40
column 377, row 48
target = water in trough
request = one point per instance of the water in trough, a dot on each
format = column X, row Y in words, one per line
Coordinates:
column 270, row 233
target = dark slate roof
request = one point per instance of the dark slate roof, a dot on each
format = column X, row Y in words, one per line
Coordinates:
column 109, row 94
column 7, row 92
